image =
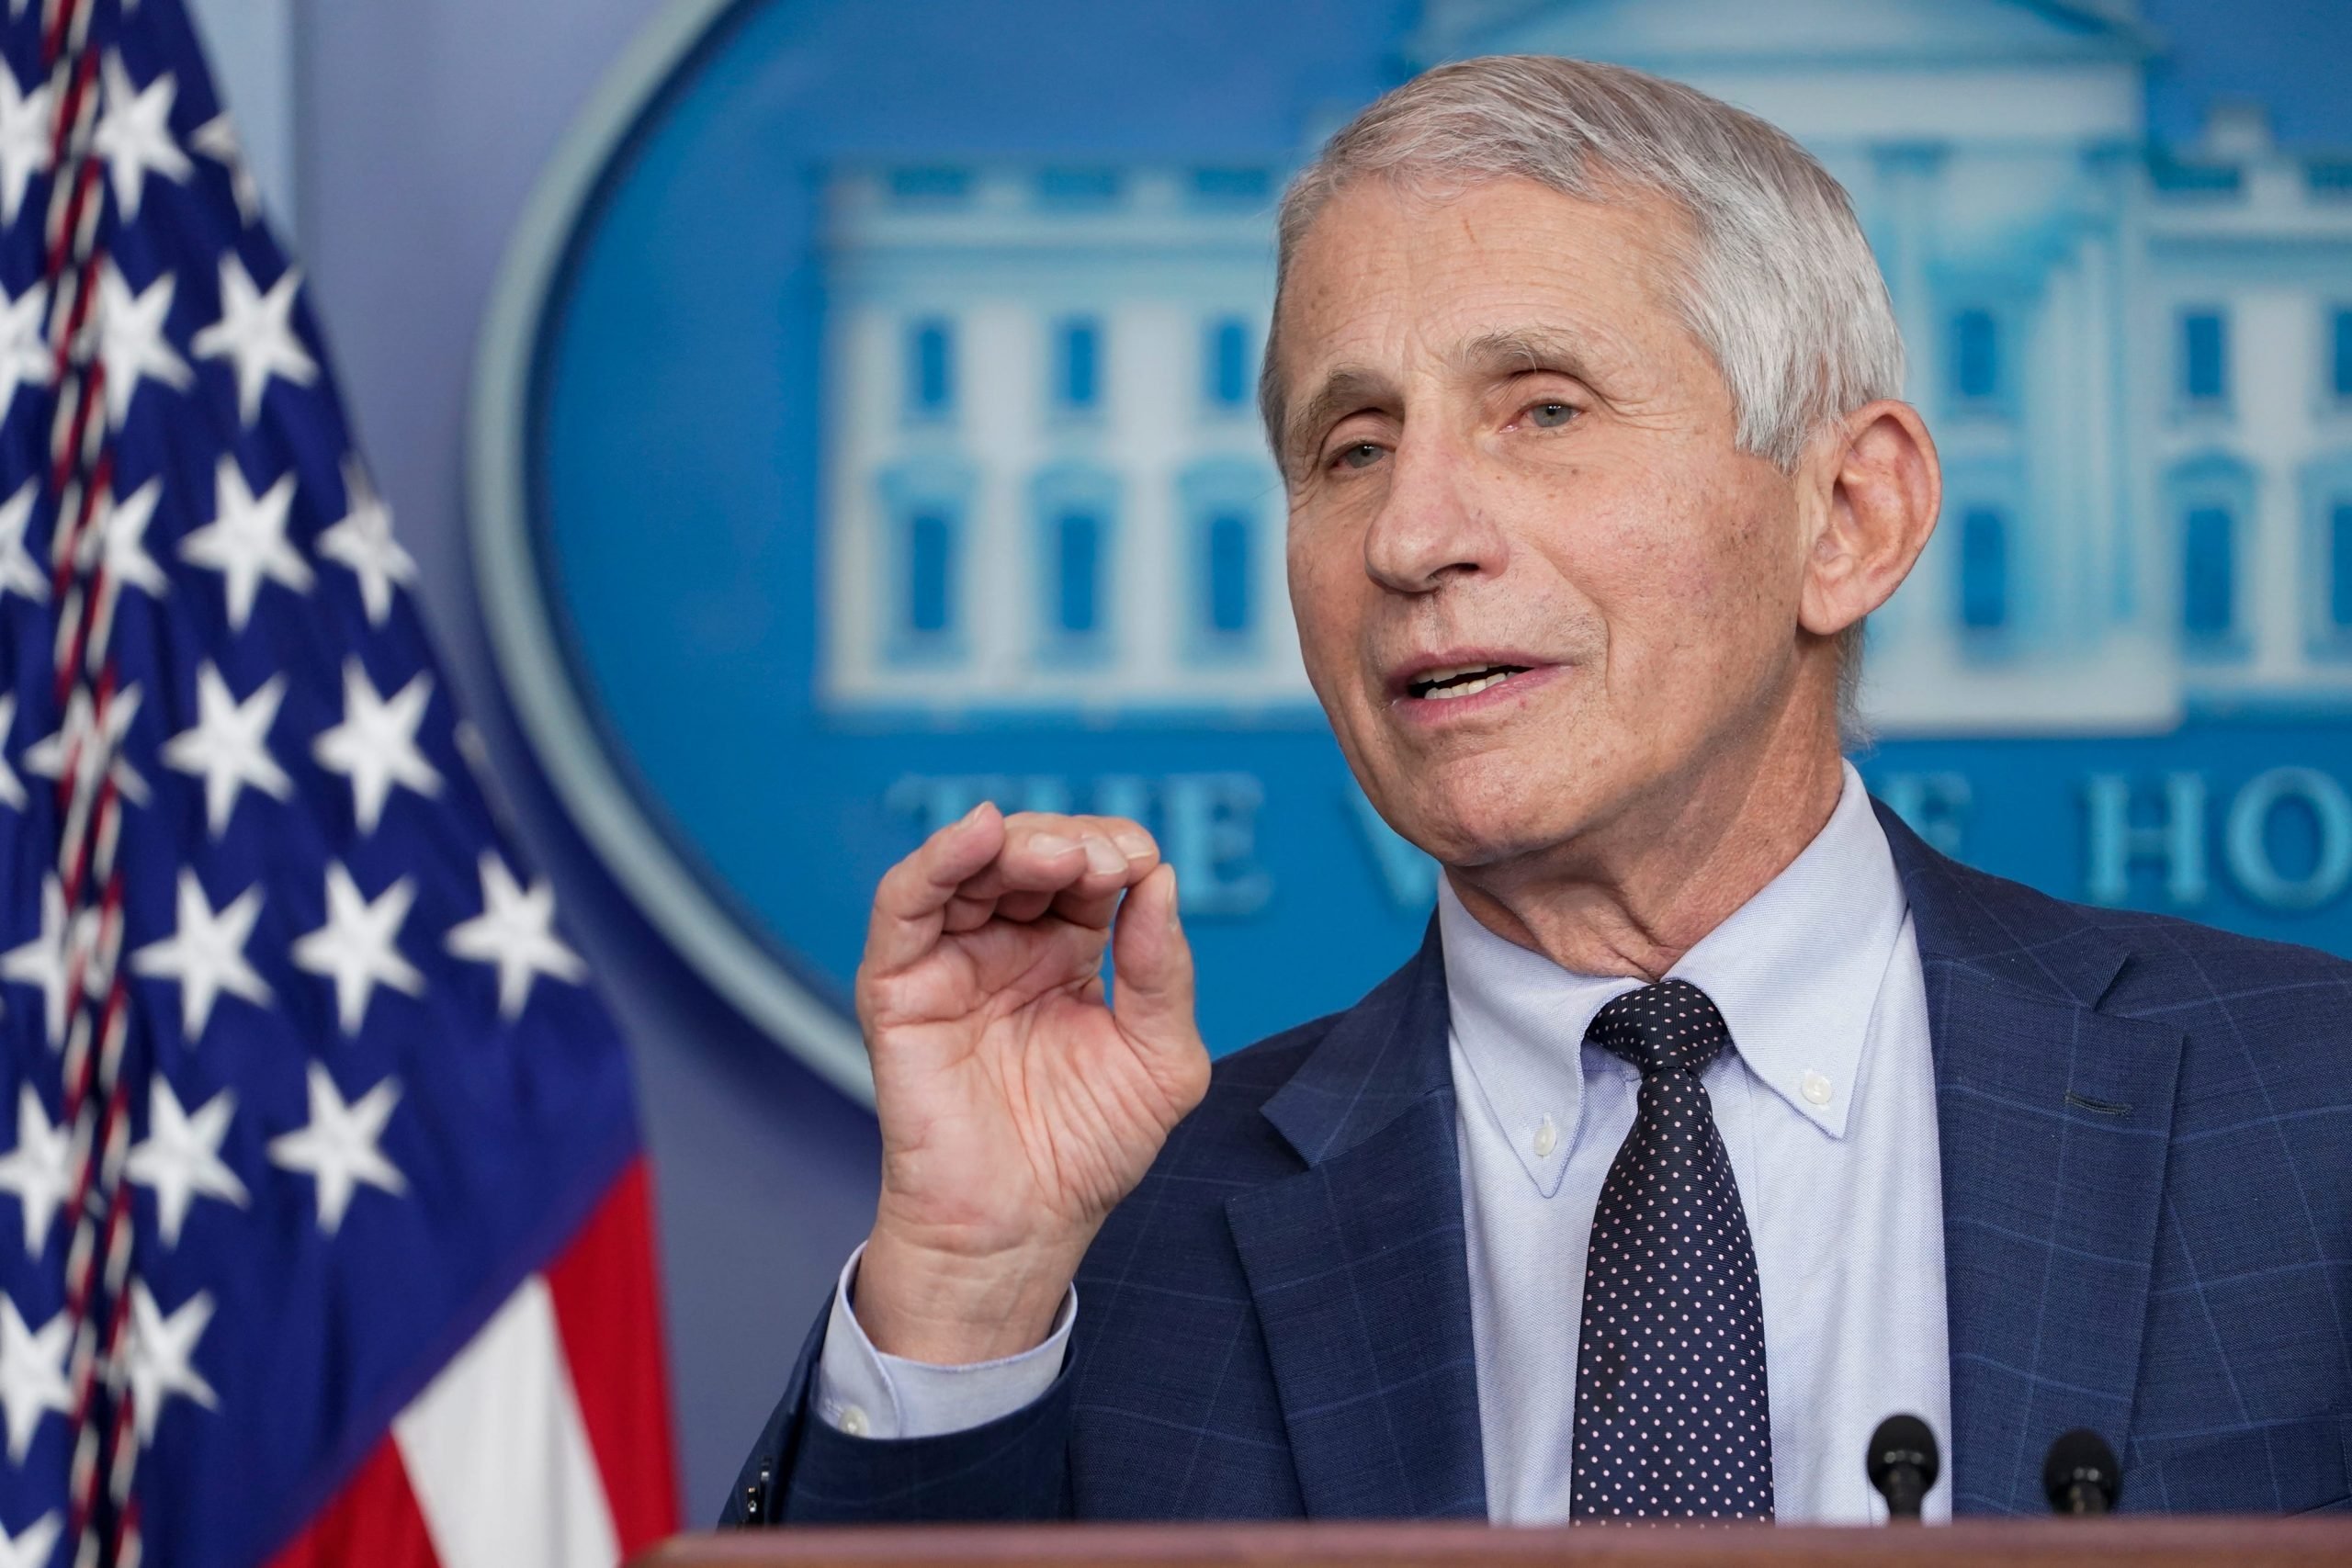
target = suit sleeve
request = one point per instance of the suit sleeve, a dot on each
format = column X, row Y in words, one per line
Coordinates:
column 803, row 1471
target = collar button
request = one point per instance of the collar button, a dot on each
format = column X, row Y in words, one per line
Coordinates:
column 1815, row 1087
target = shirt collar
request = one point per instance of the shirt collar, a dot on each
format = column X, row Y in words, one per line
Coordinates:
column 1795, row 971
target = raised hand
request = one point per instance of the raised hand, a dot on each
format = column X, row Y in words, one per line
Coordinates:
column 1017, row 1105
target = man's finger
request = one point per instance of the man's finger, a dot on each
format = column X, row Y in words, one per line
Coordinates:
column 1048, row 854
column 1024, row 907
column 911, row 904
column 1154, row 997
column 968, row 914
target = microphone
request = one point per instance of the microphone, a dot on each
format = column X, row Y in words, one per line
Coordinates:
column 2081, row 1476
column 1901, row 1464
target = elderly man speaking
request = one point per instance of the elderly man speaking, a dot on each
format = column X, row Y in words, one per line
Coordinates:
column 1718, row 1117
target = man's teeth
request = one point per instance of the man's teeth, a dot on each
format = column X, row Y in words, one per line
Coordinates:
column 1444, row 685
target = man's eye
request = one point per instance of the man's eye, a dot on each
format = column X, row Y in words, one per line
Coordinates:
column 1550, row 416
column 1362, row 455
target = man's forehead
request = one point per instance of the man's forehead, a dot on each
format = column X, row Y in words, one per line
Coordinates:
column 1506, row 265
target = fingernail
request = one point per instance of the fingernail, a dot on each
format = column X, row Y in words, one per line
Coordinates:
column 1101, row 856
column 1135, row 846
column 973, row 814
column 1051, row 843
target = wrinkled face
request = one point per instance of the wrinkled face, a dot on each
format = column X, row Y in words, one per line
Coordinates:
column 1536, row 585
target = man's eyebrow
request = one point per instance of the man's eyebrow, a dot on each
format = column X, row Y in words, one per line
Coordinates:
column 1523, row 349
column 1346, row 389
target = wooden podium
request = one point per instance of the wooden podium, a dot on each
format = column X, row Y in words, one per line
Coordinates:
column 2142, row 1541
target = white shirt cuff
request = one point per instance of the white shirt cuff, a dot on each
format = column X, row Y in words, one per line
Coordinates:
column 863, row 1392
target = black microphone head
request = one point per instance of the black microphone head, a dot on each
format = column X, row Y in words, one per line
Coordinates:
column 1900, row 1440
column 2080, row 1459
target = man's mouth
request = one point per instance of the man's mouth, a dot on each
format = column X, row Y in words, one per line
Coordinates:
column 1460, row 680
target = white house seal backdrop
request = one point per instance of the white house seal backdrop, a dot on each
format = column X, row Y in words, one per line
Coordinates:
column 867, row 428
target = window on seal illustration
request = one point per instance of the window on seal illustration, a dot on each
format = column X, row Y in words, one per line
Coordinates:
column 2212, row 498
column 1076, row 553
column 1077, row 572
column 930, row 572
column 1226, row 503
column 1983, row 569
column 1226, row 365
column 1976, row 357
column 1078, row 365
column 2208, row 582
column 1226, row 610
column 2340, row 569
column 2326, row 486
column 1234, row 189
column 931, row 369
column 923, row 562
column 1077, row 189
column 2204, row 356
column 930, row 187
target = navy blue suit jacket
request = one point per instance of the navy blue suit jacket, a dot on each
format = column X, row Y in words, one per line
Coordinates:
column 2146, row 1133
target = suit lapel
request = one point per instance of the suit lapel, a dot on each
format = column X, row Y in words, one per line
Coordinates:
column 1357, row 1266
column 2054, row 1120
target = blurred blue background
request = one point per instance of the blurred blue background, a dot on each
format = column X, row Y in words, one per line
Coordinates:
column 682, row 413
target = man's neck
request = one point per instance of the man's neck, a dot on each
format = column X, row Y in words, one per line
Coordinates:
column 1633, row 895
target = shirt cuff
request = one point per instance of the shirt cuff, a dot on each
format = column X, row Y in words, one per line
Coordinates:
column 862, row 1393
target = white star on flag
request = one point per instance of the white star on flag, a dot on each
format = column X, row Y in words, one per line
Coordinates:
column 12, row 788
column 255, row 333
column 229, row 746
column 217, row 140
column 25, row 131
column 121, row 543
column 358, row 947
column 38, row 1170
column 135, row 134
column 26, row 359
column 131, row 343
column 514, row 930
column 375, row 745
column 32, row 1549
column 205, row 954
column 337, row 1149
column 42, row 961
column 18, row 572
column 32, row 1375
column 156, row 1363
column 363, row 541
column 85, row 731
column 246, row 540
column 180, row 1157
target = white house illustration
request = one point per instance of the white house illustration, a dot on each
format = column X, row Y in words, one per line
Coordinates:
column 1046, row 497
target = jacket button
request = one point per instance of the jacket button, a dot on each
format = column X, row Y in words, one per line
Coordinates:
column 755, row 1496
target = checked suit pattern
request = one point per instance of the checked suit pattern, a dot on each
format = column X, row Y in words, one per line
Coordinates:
column 2146, row 1140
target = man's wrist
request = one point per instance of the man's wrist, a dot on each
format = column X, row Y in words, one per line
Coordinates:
column 922, row 1304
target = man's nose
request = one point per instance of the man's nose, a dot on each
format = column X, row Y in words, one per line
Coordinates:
column 1433, row 522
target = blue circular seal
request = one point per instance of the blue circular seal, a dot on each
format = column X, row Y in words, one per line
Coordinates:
column 865, row 427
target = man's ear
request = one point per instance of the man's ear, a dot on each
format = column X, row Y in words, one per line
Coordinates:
column 1880, row 489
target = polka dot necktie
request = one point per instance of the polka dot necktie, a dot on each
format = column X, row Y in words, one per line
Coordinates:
column 1671, row 1418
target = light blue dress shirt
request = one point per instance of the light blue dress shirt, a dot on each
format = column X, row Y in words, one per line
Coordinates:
column 1826, row 1107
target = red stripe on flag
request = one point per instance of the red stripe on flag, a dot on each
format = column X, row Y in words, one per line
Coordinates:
column 374, row 1522
column 608, row 1309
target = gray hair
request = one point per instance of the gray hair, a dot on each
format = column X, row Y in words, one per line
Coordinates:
column 1779, row 282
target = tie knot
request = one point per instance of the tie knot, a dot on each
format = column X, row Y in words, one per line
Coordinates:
column 1671, row 1026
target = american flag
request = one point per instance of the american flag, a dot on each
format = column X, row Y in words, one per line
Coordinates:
column 330, row 1237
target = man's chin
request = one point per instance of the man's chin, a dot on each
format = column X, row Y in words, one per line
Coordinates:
column 1485, row 831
